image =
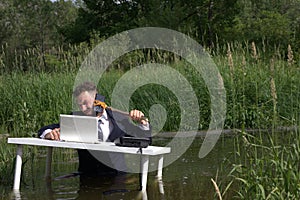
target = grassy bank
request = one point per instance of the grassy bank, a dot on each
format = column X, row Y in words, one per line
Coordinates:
column 262, row 92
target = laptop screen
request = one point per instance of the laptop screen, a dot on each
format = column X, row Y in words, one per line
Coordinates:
column 79, row 128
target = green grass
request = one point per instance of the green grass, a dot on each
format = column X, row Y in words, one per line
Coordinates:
column 33, row 100
column 264, row 168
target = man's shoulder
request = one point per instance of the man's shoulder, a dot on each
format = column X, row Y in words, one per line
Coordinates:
column 115, row 116
column 108, row 111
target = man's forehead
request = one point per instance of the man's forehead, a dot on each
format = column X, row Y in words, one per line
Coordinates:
column 84, row 96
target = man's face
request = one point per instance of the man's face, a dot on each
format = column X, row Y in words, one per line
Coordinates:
column 85, row 101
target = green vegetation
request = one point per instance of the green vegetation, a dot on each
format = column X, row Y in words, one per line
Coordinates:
column 268, row 168
column 255, row 45
column 43, row 25
column 261, row 91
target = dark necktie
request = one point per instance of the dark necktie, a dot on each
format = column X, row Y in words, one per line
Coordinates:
column 100, row 134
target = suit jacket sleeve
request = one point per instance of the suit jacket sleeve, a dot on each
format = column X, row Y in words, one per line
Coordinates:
column 51, row 126
column 124, row 127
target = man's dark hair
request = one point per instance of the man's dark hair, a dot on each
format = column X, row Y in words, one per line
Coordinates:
column 86, row 86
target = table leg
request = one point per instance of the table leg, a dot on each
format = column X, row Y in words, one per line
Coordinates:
column 49, row 162
column 144, row 171
column 18, row 168
column 144, row 195
column 160, row 167
column 159, row 174
column 161, row 187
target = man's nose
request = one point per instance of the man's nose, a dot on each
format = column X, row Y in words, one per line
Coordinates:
column 83, row 107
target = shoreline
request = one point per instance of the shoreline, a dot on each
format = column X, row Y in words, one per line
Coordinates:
column 227, row 132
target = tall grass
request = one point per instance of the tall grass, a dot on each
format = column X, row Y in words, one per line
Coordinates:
column 252, row 86
column 264, row 94
column 32, row 99
column 265, row 169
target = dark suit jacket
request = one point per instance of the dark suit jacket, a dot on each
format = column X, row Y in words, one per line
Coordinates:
column 88, row 164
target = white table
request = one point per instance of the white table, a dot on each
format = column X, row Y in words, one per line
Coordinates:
column 104, row 146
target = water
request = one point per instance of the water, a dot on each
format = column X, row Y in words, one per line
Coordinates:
column 189, row 177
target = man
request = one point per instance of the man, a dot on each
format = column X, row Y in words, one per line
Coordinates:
column 112, row 126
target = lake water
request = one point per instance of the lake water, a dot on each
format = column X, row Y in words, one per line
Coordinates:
column 189, row 177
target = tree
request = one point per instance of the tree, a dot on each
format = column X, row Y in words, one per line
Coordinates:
column 103, row 16
column 6, row 22
column 34, row 24
column 273, row 22
column 203, row 20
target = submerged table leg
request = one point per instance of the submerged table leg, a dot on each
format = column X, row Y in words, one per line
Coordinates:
column 18, row 168
column 144, row 171
column 161, row 187
column 144, row 195
column 49, row 162
column 160, row 167
column 159, row 174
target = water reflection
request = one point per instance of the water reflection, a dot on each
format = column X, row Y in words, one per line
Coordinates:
column 119, row 187
column 112, row 187
column 90, row 188
column 16, row 195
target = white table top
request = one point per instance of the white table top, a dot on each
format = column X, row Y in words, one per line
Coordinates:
column 103, row 146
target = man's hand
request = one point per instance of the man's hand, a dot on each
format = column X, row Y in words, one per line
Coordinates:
column 138, row 116
column 53, row 135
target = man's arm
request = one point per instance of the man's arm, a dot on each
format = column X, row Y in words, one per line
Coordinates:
column 52, row 131
column 42, row 132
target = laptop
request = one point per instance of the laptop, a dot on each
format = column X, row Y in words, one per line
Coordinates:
column 76, row 128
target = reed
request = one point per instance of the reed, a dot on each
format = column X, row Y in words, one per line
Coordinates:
column 217, row 189
column 254, row 51
column 290, row 56
column 230, row 62
column 273, row 91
